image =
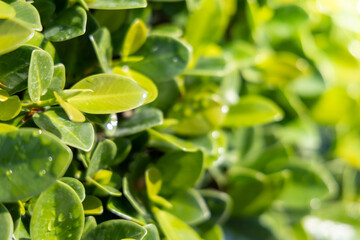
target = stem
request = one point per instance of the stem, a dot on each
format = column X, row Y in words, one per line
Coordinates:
column 40, row 104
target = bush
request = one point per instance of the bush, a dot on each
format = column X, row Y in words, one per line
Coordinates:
column 179, row 120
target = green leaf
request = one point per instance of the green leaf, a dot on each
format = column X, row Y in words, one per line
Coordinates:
column 58, row 214
column 174, row 228
column 167, row 29
column 135, row 38
column 206, row 25
column 102, row 157
column 14, row 68
column 92, row 205
column 261, row 190
column 6, row 128
column 10, row 108
column 180, row 170
column 105, row 189
column 6, row 222
column 159, row 51
column 90, row 224
column 6, row 11
column 15, row 209
column 215, row 233
column 76, row 185
column 41, row 71
column 40, row 158
column 189, row 206
column 78, row 135
column 116, row 229
column 153, row 181
column 209, row 66
column 307, row 182
column 111, row 94
column 127, row 189
column 168, row 141
column 116, row 4
column 13, row 35
column 123, row 146
column 140, row 120
column 101, row 41
column 121, row 207
column 58, row 79
column 73, row 114
column 70, row 23
column 39, row 41
column 253, row 110
column 152, row 232
column 26, row 14
column 220, row 205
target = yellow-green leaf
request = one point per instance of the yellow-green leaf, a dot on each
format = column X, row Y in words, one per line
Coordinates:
column 135, row 38
column 73, row 114
column 112, row 93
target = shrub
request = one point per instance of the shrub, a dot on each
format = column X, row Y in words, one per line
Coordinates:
column 179, row 120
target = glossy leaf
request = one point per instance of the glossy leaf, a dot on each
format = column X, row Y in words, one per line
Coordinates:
column 58, row 214
column 121, row 207
column 76, row 185
column 10, row 108
column 116, row 229
column 38, row 40
column 128, row 193
column 26, row 14
column 13, row 35
column 69, row 24
column 40, row 159
column 173, row 227
column 72, row 113
column 101, row 41
column 180, row 170
column 41, row 71
column 140, row 120
column 6, row 223
column 105, row 189
column 104, row 153
column 92, row 205
column 135, row 38
column 159, row 51
column 253, row 110
column 111, row 93
column 14, row 68
column 116, row 4
column 78, row 135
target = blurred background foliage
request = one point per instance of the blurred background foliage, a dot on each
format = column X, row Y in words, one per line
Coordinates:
column 269, row 103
